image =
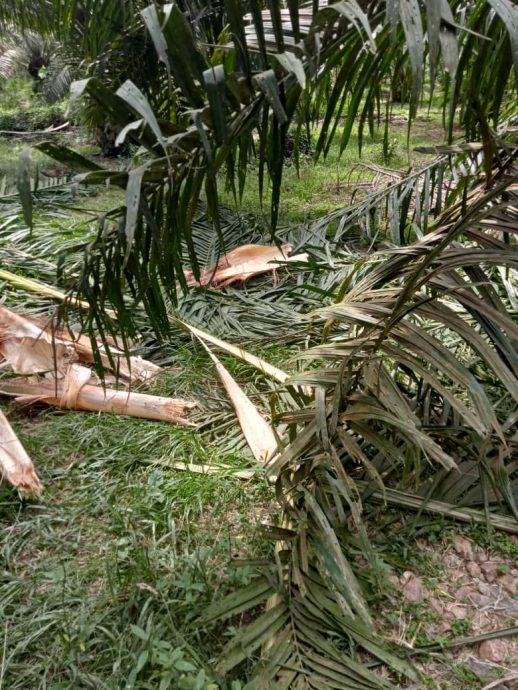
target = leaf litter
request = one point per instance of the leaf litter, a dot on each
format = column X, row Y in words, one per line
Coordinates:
column 52, row 361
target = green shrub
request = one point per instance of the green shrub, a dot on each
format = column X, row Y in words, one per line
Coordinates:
column 25, row 111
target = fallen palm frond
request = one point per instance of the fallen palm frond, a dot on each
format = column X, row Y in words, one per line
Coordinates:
column 243, row 263
column 416, row 386
column 74, row 393
column 31, row 346
column 256, row 430
column 15, row 465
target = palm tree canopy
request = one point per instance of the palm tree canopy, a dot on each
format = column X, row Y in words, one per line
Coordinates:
column 214, row 106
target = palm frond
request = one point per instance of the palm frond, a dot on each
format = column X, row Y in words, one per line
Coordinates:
column 217, row 111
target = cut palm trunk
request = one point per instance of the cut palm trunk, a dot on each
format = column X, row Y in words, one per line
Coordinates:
column 71, row 395
column 15, row 465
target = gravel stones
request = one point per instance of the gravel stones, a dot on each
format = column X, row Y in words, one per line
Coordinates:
column 493, row 650
column 413, row 589
column 475, row 592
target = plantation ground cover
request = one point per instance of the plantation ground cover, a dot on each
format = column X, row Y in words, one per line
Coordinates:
column 25, row 111
column 317, row 188
column 105, row 578
column 308, row 193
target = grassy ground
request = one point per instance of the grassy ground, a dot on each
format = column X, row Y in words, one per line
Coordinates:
column 96, row 201
column 309, row 192
column 102, row 580
column 23, row 110
column 317, row 188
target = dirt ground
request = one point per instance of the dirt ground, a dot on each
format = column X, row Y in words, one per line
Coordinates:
column 469, row 591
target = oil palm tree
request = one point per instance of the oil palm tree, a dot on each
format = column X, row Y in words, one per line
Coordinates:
column 212, row 107
column 383, row 405
column 80, row 39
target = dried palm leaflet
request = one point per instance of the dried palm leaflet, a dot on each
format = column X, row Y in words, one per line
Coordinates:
column 31, row 345
column 15, row 465
column 243, row 263
column 256, row 430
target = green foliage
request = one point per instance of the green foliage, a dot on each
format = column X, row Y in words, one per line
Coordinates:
column 103, row 578
column 395, row 415
column 184, row 150
column 494, row 541
column 24, row 111
column 461, row 627
column 411, row 390
column 314, row 188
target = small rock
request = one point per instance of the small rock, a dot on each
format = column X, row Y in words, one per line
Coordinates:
column 414, row 590
column 509, row 583
column 394, row 580
column 514, row 572
column 479, row 600
column 452, row 561
column 508, row 606
column 444, row 627
column 489, row 570
column 463, row 547
column 491, row 591
column 459, row 612
column 436, row 606
column 473, row 569
column 482, row 670
column 464, row 593
column 493, row 650
column 407, row 575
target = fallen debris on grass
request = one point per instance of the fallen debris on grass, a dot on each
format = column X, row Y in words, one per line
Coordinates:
column 28, row 348
column 52, row 357
column 32, row 346
column 260, row 364
column 74, row 393
column 243, row 263
column 256, row 430
column 15, row 465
